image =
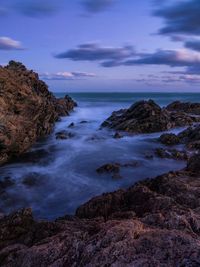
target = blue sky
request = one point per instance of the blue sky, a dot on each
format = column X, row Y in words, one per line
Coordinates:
column 105, row 45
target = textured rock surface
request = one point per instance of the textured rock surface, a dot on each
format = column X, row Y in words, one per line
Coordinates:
column 190, row 137
column 148, row 117
column 27, row 109
column 154, row 223
column 187, row 107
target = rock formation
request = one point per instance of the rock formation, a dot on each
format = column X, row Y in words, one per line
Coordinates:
column 154, row 223
column 148, row 117
column 27, row 109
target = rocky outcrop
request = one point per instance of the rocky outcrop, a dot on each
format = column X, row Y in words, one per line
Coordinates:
column 148, row 117
column 27, row 109
column 187, row 107
column 190, row 137
column 154, row 223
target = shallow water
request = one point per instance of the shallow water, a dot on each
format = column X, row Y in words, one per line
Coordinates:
column 65, row 170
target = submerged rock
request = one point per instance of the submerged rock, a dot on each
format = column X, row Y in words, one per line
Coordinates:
column 110, row 167
column 148, row 117
column 64, row 135
column 27, row 110
column 118, row 135
column 189, row 137
column 171, row 154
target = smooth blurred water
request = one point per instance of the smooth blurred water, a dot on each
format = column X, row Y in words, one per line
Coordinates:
column 66, row 169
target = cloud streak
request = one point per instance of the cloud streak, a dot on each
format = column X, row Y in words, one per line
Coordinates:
column 36, row 8
column 107, row 56
column 96, row 6
column 66, row 75
column 7, row 43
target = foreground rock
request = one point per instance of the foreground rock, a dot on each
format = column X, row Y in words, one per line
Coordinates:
column 27, row 109
column 148, row 117
column 153, row 223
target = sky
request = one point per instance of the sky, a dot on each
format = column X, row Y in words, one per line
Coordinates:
column 105, row 45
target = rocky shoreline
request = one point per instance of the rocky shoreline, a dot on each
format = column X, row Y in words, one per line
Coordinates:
column 28, row 110
column 155, row 222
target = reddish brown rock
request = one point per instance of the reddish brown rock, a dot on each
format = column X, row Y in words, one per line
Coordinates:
column 148, row 117
column 154, row 223
column 27, row 109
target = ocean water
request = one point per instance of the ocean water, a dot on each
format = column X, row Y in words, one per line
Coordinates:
column 64, row 171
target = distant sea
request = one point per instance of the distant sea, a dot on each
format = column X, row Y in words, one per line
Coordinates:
column 66, row 169
column 129, row 98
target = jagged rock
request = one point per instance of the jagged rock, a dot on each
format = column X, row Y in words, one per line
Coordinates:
column 154, row 223
column 65, row 105
column 171, row 154
column 187, row 107
column 147, row 117
column 190, row 137
column 169, row 139
column 27, row 110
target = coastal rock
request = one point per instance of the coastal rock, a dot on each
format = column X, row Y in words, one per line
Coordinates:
column 187, row 107
column 27, row 110
column 65, row 105
column 148, row 117
column 110, row 167
column 189, row 137
column 169, row 139
column 154, row 223
column 63, row 135
column 117, row 135
column 171, row 154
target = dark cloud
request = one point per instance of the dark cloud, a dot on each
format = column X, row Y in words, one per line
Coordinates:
column 36, row 8
column 95, row 6
column 172, row 58
column 7, row 43
column 107, row 56
column 193, row 44
column 66, row 75
column 171, row 78
column 182, row 17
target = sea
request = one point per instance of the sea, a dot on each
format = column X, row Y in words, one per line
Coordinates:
column 57, row 176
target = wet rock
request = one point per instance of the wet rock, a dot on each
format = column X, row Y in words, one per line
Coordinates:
column 6, row 182
column 147, row 117
column 154, row 223
column 33, row 179
column 63, row 135
column 28, row 110
column 194, row 164
column 118, row 135
column 71, row 125
column 169, row 139
column 171, row 154
column 187, row 107
column 109, row 168
column 148, row 155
